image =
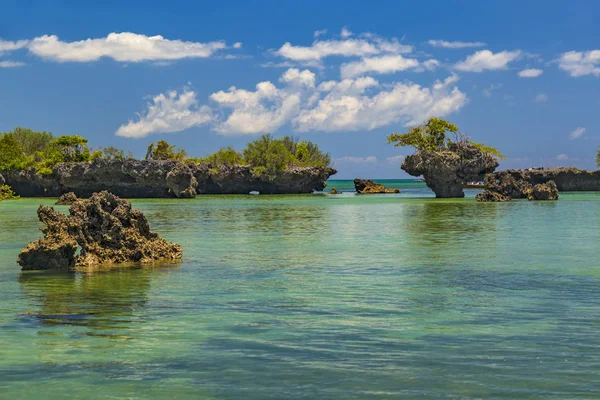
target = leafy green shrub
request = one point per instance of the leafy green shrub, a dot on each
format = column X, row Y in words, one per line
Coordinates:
column 225, row 156
column 73, row 148
column 11, row 153
column 267, row 156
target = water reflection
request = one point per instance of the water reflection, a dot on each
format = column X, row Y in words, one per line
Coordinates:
column 95, row 298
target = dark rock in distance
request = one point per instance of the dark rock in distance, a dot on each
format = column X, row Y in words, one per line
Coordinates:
column 106, row 230
column 335, row 191
column 514, row 184
column 367, row 186
column 67, row 199
column 445, row 172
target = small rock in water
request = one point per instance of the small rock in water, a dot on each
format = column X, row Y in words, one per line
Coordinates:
column 335, row 191
column 364, row 186
column 544, row 191
column 104, row 227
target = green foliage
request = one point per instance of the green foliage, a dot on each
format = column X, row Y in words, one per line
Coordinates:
column 225, row 156
column 73, row 148
column 488, row 149
column 113, row 153
column 164, row 151
column 31, row 141
column 6, row 193
column 598, row 157
column 267, row 156
column 431, row 136
column 11, row 153
column 436, row 135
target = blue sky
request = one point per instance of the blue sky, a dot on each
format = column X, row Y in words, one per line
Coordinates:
column 521, row 76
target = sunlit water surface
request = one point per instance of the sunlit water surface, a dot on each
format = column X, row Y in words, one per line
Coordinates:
column 317, row 296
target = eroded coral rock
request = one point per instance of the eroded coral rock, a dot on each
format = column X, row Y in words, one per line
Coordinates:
column 335, row 191
column 445, row 172
column 489, row 196
column 67, row 199
column 364, row 186
column 106, row 230
column 544, row 191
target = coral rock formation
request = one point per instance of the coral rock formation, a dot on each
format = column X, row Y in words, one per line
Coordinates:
column 66, row 199
column 335, row 191
column 445, row 172
column 104, row 227
column 544, row 191
column 363, row 186
column 514, row 184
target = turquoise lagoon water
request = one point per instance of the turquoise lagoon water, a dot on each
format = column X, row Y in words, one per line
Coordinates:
column 317, row 296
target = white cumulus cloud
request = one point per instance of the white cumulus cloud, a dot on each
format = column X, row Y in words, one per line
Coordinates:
column 386, row 64
column 562, row 157
column 395, row 159
column 455, row 45
column 349, row 106
column 368, row 45
column 486, row 60
column 577, row 133
column 541, row 98
column 302, row 104
column 345, row 33
column 172, row 112
column 580, row 63
column 124, row 47
column 530, row 73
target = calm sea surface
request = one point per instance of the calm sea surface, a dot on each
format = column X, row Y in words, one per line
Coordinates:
column 317, row 296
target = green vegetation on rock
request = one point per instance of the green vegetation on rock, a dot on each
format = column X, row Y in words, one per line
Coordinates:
column 164, row 151
column 437, row 135
column 6, row 193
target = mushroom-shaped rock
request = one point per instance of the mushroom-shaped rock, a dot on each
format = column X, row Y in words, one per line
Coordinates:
column 66, row 199
column 367, row 186
column 544, row 191
column 104, row 227
column 445, row 172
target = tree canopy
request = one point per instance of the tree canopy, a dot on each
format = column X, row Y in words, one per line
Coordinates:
column 437, row 135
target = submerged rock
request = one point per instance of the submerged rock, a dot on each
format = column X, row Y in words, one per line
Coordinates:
column 335, row 191
column 106, row 230
column 67, row 199
column 445, row 172
column 364, row 186
column 489, row 196
column 544, row 191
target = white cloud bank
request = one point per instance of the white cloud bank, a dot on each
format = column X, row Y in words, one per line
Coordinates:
column 381, row 65
column 486, row 60
column 580, row 63
column 346, row 105
column 124, row 47
column 577, row 133
column 454, row 45
column 356, row 160
column 530, row 73
column 11, row 64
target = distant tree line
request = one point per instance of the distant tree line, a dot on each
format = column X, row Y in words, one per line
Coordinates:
column 24, row 149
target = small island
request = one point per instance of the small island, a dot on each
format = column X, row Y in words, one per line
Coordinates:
column 38, row 164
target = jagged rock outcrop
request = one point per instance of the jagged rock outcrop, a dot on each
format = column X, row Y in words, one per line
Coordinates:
column 335, row 191
column 566, row 179
column 106, row 230
column 154, row 178
column 514, row 184
column 367, row 186
column 66, row 199
column 544, row 191
column 445, row 172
